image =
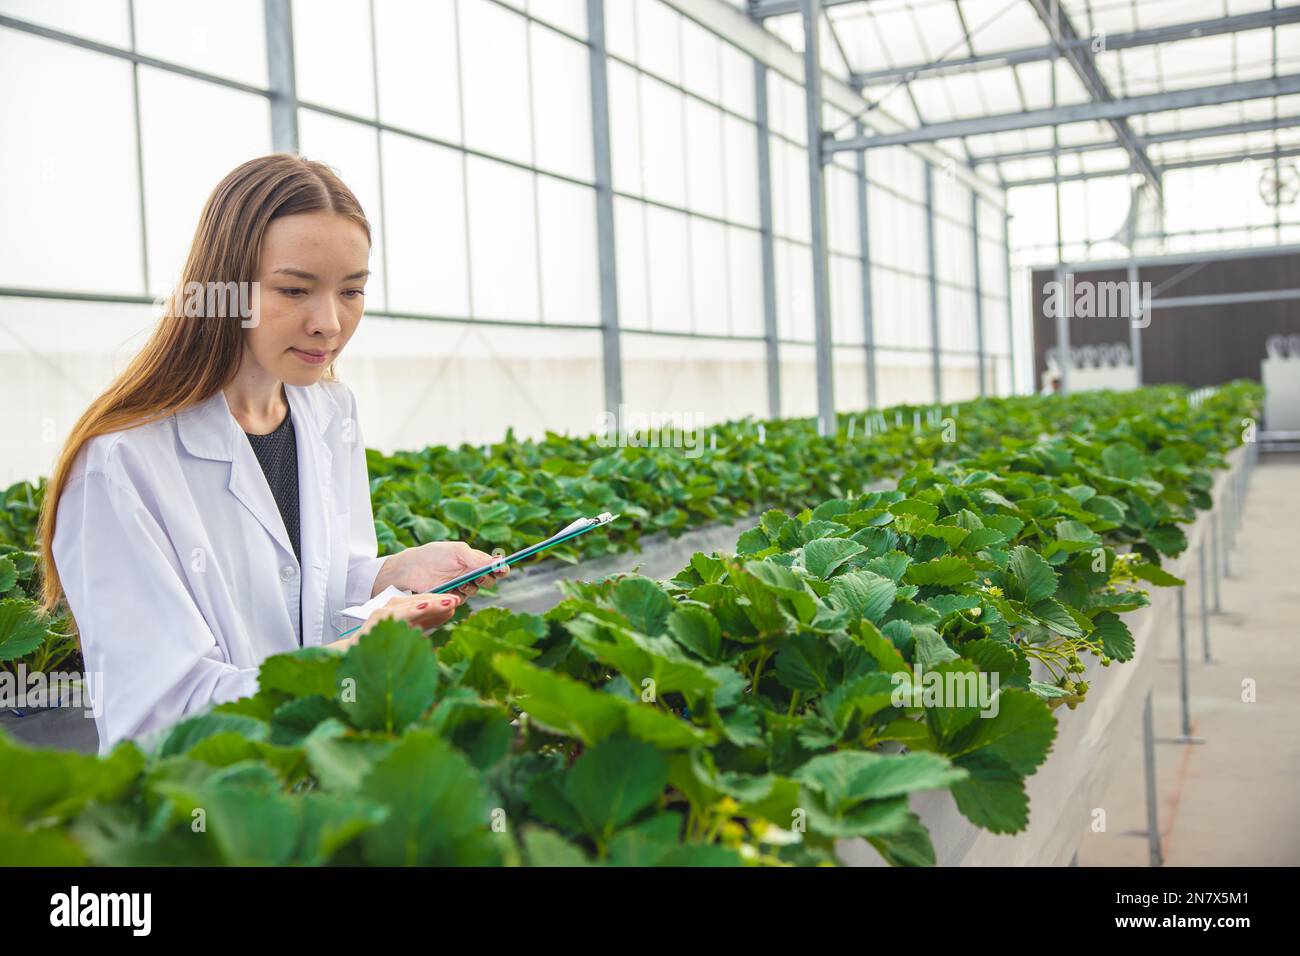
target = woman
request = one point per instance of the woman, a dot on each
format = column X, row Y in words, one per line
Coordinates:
column 212, row 507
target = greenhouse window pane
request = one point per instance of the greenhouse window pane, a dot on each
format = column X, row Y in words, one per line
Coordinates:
column 737, row 81
column 740, row 145
column 352, row 151
column 47, row 182
column 332, row 55
column 419, row 77
column 494, row 76
column 503, row 241
column 661, row 136
column 562, row 104
column 427, row 267
column 705, row 180
column 569, row 267
column 630, row 263
column 227, row 41
column 568, row 15
column 177, row 185
column 102, row 20
column 659, row 40
column 745, row 288
column 625, row 128
column 701, row 62
column 670, row 270
column 709, row 276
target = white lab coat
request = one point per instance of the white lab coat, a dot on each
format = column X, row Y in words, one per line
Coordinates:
column 177, row 565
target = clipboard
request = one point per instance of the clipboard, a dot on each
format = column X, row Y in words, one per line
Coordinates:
column 567, row 533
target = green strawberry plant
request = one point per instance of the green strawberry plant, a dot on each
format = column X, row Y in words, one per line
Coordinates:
column 755, row 708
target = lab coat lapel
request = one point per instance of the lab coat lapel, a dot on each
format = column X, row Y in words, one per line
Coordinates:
column 312, row 411
column 209, row 430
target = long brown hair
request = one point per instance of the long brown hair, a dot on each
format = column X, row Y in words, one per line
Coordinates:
column 186, row 361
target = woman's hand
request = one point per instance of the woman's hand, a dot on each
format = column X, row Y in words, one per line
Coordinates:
column 422, row 610
column 432, row 564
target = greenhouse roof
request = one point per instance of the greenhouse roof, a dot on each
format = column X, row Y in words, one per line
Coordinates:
column 1036, row 91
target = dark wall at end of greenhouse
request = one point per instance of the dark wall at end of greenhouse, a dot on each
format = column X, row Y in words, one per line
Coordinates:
column 1192, row 345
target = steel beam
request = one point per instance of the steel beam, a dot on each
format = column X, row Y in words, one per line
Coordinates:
column 770, row 333
column 1078, row 113
column 762, row 9
column 864, row 241
column 605, row 252
column 1081, row 61
column 937, row 372
column 1221, row 160
column 280, row 76
column 979, row 297
column 1173, row 136
column 812, row 76
column 1172, row 33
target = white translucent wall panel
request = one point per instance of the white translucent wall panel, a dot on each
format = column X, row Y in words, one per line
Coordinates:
column 228, row 41
column 956, row 319
column 325, row 74
column 705, row 175
column 104, row 20
column 630, row 264
column 701, row 62
column 850, row 380
column 794, row 296
column 740, row 146
column 899, row 170
column 503, row 241
column 620, row 30
column 176, row 189
column 903, row 377
column 709, row 276
column 960, row 380
column 997, row 332
column 846, row 300
column 708, row 380
column 993, row 267
column 1238, row 203
column 422, row 383
column 669, row 261
column 567, row 15
column 897, row 231
column 351, row 150
column 745, row 281
column 55, row 359
column 428, row 268
column 789, row 200
column 798, row 366
column 951, row 197
column 659, row 39
column 567, row 225
column 737, row 81
column 69, row 222
column 494, row 53
column 561, row 70
column 954, row 253
column 419, row 73
column 662, row 131
column 625, row 128
column 1033, row 218
column 900, row 308
column 842, row 211
column 785, row 108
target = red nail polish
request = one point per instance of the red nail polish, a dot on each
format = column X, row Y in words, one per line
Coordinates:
column 421, row 606
column 446, row 601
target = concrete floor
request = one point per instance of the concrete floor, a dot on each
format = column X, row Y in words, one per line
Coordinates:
column 1233, row 800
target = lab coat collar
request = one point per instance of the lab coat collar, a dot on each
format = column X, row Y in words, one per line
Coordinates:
column 209, row 430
